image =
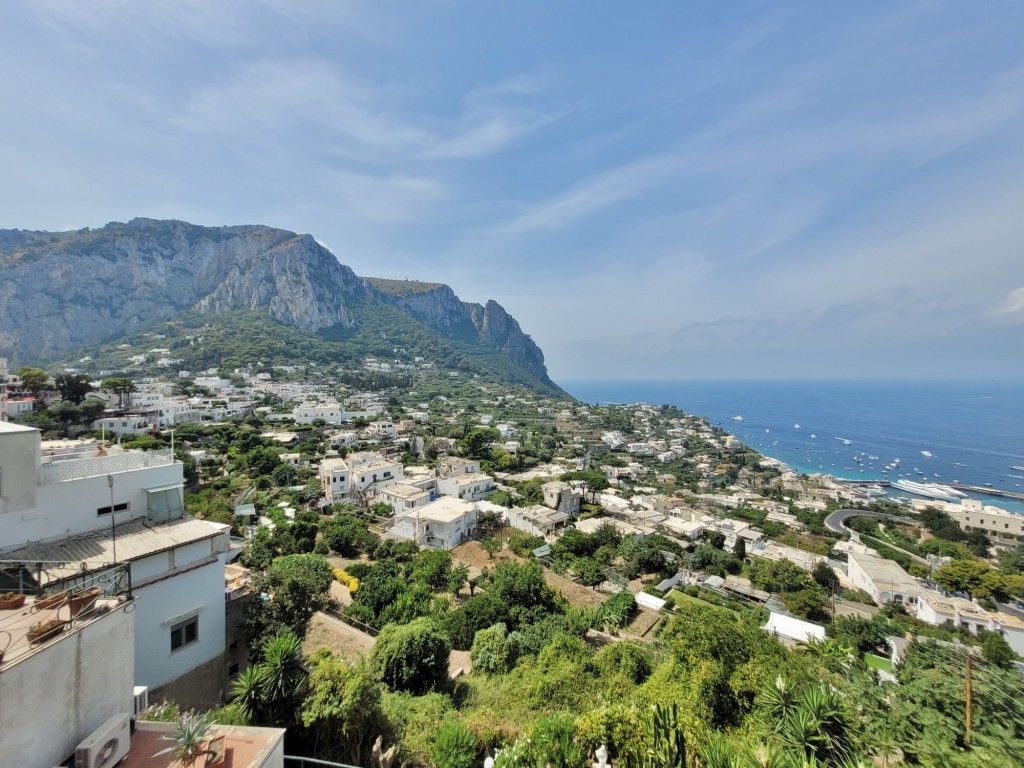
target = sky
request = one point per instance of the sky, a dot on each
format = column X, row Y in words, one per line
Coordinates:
column 655, row 190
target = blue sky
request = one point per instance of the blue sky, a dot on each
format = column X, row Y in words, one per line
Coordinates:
column 655, row 190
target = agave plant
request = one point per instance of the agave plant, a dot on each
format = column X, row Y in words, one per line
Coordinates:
column 190, row 740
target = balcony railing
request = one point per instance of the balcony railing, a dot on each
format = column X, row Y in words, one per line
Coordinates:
column 35, row 610
column 74, row 469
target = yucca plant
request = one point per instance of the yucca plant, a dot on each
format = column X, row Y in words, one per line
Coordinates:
column 190, row 740
column 667, row 748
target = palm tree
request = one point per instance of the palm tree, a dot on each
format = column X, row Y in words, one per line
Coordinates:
column 283, row 675
column 247, row 692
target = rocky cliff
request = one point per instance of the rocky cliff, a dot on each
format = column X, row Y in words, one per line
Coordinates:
column 67, row 290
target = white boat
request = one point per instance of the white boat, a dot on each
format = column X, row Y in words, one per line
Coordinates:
column 930, row 490
column 814, row 437
column 926, row 454
column 847, row 442
column 1017, row 469
column 737, row 418
column 796, row 426
column 767, row 430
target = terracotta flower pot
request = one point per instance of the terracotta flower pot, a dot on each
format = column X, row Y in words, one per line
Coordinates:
column 50, row 601
column 9, row 604
column 45, row 630
column 84, row 601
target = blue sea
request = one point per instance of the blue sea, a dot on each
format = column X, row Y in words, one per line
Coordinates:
column 973, row 430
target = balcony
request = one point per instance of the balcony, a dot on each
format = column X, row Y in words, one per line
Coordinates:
column 42, row 612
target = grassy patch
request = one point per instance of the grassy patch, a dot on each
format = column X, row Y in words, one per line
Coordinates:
column 878, row 662
column 681, row 598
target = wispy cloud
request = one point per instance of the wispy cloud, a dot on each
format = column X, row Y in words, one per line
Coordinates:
column 1012, row 306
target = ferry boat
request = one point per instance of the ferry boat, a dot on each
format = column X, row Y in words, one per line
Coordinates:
column 930, row 490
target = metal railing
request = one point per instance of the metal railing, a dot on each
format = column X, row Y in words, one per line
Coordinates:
column 50, row 577
column 44, row 609
column 74, row 469
column 303, row 762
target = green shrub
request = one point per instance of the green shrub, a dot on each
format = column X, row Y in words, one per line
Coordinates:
column 455, row 746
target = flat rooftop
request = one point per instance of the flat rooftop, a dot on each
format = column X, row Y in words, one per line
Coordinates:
column 447, row 509
column 134, row 540
column 244, row 746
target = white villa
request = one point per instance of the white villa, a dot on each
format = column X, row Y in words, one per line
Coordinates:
column 444, row 523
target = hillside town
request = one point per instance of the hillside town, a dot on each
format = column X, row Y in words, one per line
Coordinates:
column 151, row 529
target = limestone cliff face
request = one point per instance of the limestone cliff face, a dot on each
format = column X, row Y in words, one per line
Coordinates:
column 62, row 290
column 437, row 306
column 69, row 289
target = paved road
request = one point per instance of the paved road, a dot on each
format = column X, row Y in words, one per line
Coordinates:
column 836, row 522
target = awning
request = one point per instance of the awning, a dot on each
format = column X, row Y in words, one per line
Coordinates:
column 164, row 503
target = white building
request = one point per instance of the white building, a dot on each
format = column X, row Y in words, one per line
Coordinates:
column 307, row 413
column 937, row 609
column 444, row 523
column 536, row 520
column 345, row 479
column 562, row 496
column 128, row 424
column 973, row 515
column 456, row 465
column 59, row 510
column 404, row 499
column 469, row 487
column 883, row 579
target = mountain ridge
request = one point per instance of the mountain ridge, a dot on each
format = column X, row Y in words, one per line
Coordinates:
column 61, row 291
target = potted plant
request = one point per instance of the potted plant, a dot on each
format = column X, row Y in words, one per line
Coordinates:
column 42, row 631
column 191, row 740
column 49, row 601
column 84, row 601
column 10, row 601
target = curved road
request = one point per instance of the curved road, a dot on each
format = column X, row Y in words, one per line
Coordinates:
column 836, row 522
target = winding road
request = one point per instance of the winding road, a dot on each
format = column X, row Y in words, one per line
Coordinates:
column 836, row 522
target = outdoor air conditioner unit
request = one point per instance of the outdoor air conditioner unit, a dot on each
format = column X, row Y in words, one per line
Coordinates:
column 141, row 699
column 107, row 744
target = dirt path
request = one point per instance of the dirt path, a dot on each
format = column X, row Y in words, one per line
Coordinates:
column 474, row 556
column 337, row 637
column 576, row 594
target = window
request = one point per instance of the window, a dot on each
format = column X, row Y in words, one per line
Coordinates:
column 184, row 633
column 117, row 508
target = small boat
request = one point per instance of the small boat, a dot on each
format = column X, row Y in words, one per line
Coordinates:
column 814, row 437
column 926, row 454
column 737, row 418
column 796, row 426
column 847, row 442
column 1017, row 469
column 767, row 430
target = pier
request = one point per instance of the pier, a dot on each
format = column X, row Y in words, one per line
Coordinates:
column 985, row 489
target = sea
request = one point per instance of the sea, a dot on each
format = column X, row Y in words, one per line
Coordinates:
column 971, row 432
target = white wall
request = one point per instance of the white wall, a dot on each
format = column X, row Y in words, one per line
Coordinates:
column 163, row 601
column 19, row 458
column 69, row 507
column 52, row 700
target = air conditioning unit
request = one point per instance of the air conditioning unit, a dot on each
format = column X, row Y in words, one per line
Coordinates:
column 141, row 699
column 107, row 744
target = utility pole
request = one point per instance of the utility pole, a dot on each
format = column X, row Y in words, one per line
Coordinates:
column 967, row 738
column 113, row 528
